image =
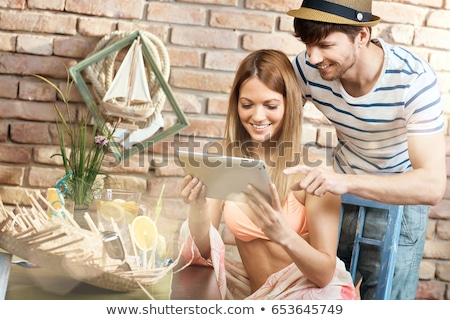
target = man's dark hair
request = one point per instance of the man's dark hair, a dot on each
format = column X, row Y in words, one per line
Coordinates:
column 311, row 32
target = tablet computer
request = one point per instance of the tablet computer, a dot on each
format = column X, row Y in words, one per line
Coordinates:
column 226, row 177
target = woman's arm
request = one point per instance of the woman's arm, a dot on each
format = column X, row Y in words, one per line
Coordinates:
column 202, row 213
column 316, row 259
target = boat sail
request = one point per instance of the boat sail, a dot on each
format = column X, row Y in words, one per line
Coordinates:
column 129, row 88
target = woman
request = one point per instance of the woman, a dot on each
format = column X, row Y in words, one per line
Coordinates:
column 288, row 246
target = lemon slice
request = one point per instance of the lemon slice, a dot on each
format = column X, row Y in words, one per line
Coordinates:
column 144, row 232
column 131, row 206
column 161, row 246
column 54, row 199
column 110, row 210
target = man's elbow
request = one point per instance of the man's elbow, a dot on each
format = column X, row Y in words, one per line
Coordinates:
column 435, row 195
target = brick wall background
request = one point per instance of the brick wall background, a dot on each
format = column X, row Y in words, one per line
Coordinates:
column 206, row 39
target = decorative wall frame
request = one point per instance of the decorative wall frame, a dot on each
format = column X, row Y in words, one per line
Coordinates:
column 119, row 151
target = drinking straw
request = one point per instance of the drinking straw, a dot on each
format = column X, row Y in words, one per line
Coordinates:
column 159, row 204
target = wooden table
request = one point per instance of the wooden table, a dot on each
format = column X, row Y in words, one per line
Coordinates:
column 195, row 283
column 192, row 283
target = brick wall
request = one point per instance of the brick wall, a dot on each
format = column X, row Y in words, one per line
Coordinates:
column 206, row 39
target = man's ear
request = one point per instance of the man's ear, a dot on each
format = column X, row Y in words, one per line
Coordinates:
column 363, row 37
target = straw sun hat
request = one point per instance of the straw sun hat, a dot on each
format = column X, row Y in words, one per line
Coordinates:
column 349, row 12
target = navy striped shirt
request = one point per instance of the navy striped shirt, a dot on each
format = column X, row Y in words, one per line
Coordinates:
column 372, row 130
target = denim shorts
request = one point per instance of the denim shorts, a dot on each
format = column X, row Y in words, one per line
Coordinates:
column 409, row 254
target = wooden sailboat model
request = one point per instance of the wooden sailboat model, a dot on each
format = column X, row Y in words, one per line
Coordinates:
column 129, row 90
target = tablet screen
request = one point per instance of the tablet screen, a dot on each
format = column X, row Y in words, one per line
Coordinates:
column 226, row 177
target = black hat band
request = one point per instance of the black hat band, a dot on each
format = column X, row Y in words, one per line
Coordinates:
column 337, row 9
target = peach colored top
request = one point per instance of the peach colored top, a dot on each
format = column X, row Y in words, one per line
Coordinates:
column 245, row 230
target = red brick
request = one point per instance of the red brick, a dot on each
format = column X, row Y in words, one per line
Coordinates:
column 27, row 110
column 13, row 4
column 436, row 250
column 74, row 47
column 242, row 20
column 430, row 290
column 272, row 5
column 126, row 182
column 443, row 271
column 441, row 210
column 192, row 142
column 18, row 195
column 184, row 57
column 400, row 13
column 107, row 8
column 228, row 61
column 54, row 5
column 427, row 270
column 48, row 155
column 70, row 91
column 432, row 38
column 39, row 45
column 176, row 13
column 135, row 164
column 22, row 64
column 95, row 27
column 443, row 229
column 218, row 105
column 36, row 90
column 205, row 127
column 15, row 154
column 203, row 37
column 286, row 24
column 44, row 177
column 30, row 132
column 168, row 169
column 214, row 2
column 12, row 175
column 160, row 31
column 190, row 103
column 285, row 42
column 199, row 80
column 8, row 42
column 9, row 87
column 38, row 23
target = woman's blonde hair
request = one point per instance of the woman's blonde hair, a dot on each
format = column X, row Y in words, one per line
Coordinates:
column 273, row 68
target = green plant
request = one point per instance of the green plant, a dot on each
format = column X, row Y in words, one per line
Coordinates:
column 88, row 146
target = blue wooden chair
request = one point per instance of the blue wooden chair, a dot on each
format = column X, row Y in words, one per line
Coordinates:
column 388, row 245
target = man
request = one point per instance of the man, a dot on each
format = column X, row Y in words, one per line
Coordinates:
column 385, row 105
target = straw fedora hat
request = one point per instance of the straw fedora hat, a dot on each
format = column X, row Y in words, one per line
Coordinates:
column 349, row 12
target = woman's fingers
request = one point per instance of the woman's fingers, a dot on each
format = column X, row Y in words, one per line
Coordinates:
column 192, row 189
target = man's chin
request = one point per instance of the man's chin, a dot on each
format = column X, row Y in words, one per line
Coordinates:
column 327, row 76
